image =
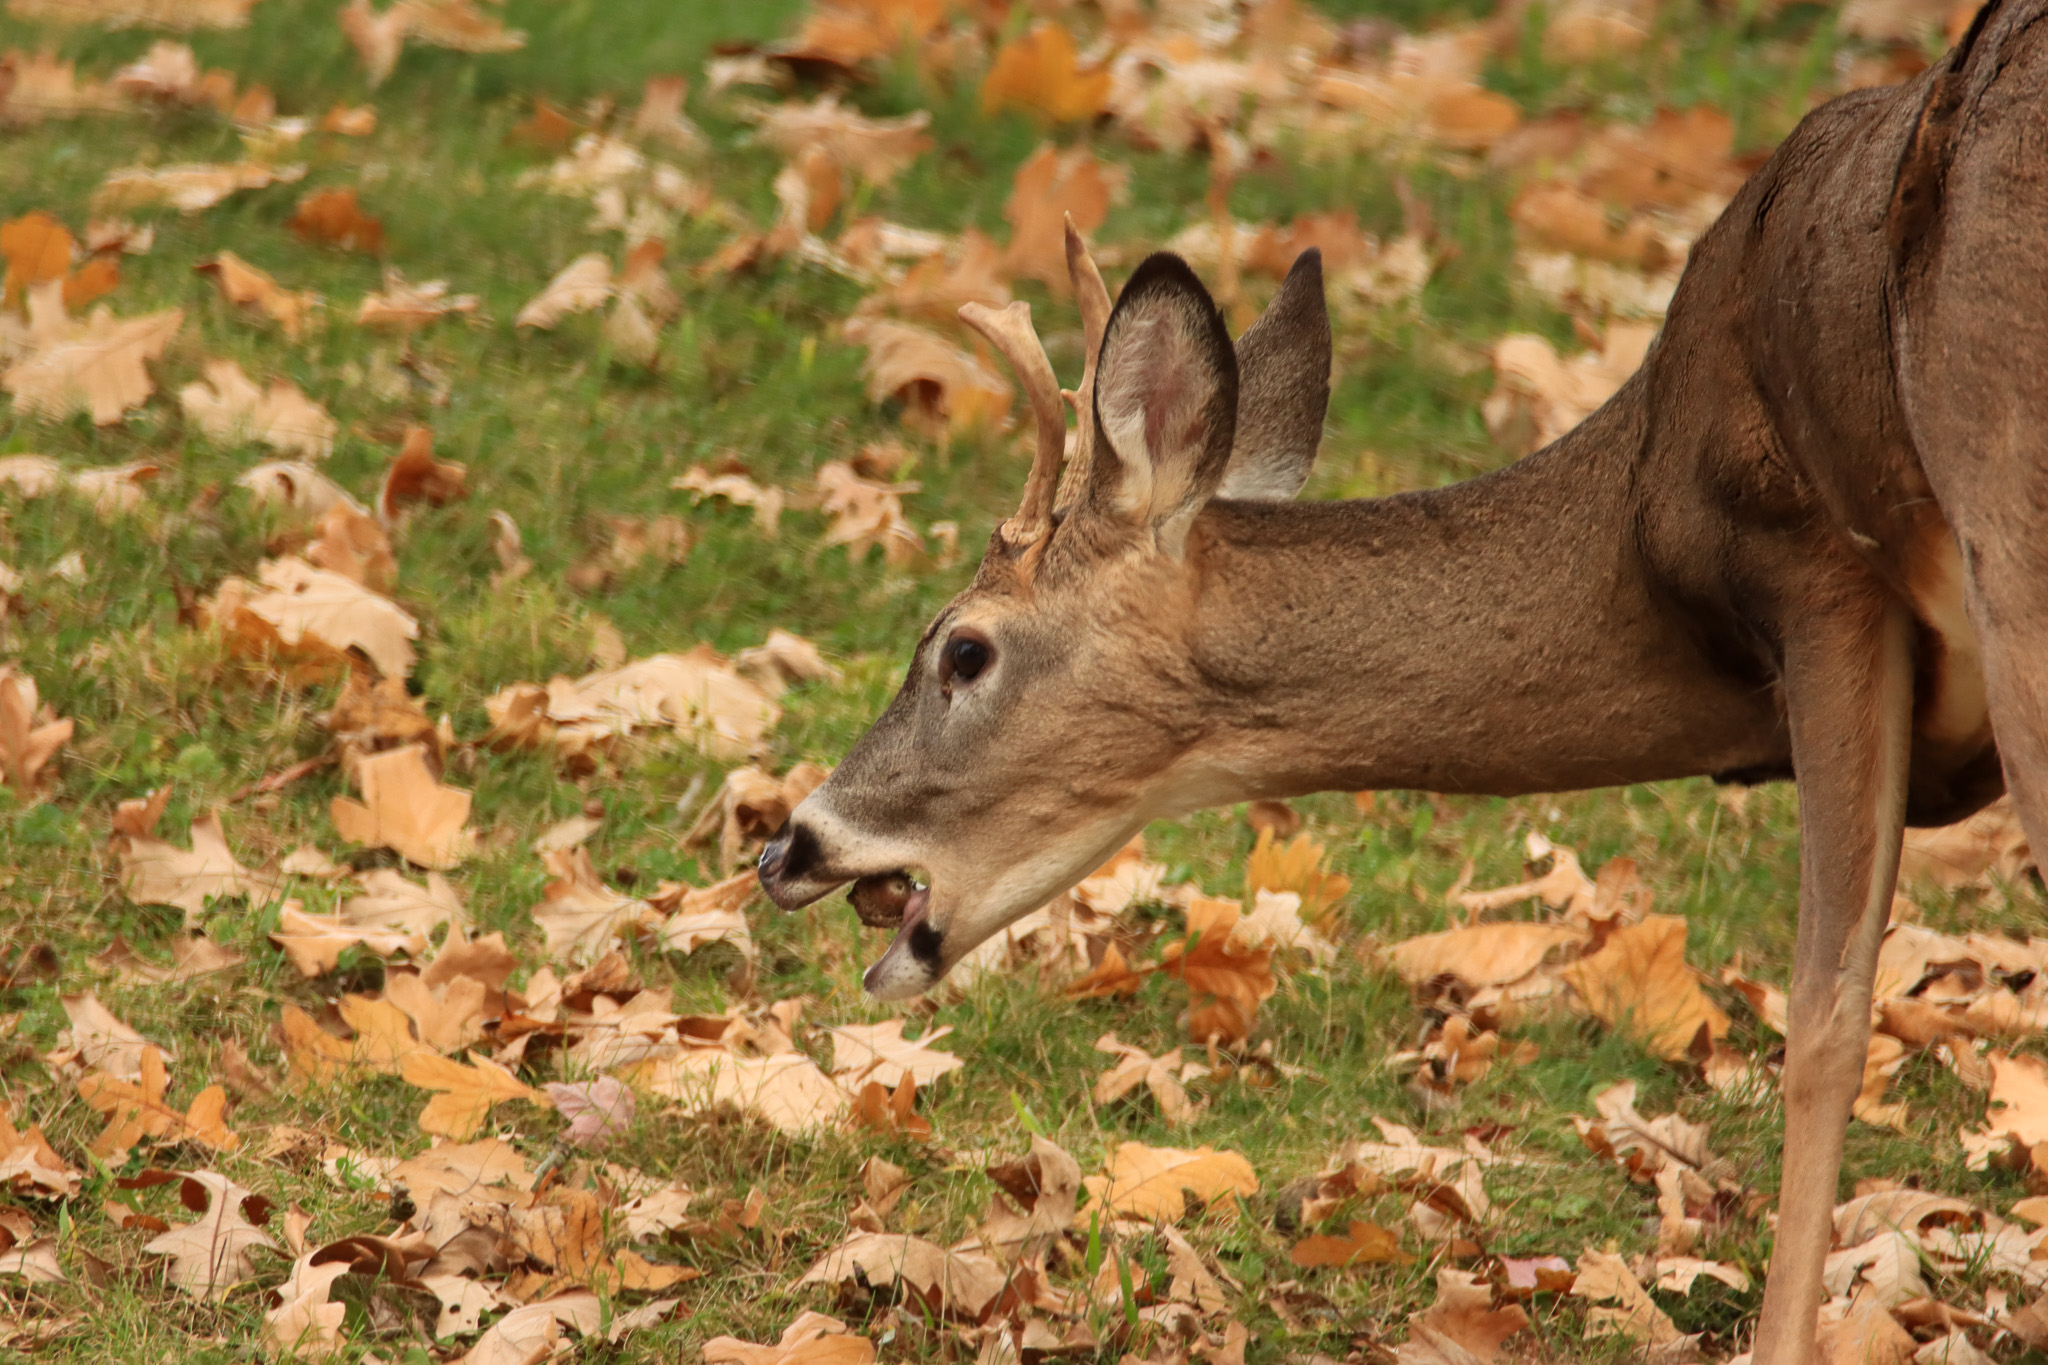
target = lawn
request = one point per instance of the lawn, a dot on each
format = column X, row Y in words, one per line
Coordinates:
column 578, row 433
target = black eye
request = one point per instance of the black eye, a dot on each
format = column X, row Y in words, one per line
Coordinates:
column 963, row 659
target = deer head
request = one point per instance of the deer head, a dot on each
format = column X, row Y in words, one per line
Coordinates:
column 1056, row 706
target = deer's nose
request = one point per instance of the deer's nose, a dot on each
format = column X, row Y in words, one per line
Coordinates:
column 787, row 861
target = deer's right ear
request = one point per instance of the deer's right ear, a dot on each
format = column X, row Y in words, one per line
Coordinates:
column 1283, row 389
column 1165, row 402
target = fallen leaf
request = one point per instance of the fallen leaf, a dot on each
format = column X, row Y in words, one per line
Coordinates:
column 315, row 943
column 1227, row 980
column 1604, row 1278
column 1363, row 1243
column 157, row 873
column 405, row 307
column 1051, row 187
column 309, row 610
column 1041, row 71
column 697, row 693
column 211, row 1255
column 96, row 366
column 582, row 917
column 379, row 36
column 390, row 901
column 334, row 218
column 467, row 1093
column 1638, row 981
column 30, row 732
column 1462, row 1327
column 945, row 1282
column 414, row 475
column 707, row 914
column 1538, row 396
column 942, row 387
column 37, row 248
column 528, row 1335
column 306, row 1321
column 582, row 285
column 253, row 290
column 1156, row 1182
column 786, row 1089
column 299, row 486
column 767, row 503
column 879, row 1052
column 406, row 808
column 1136, row 1067
column 30, row 1166
column 813, row 1339
column 877, row 149
column 189, row 188
column 104, row 1042
column 231, row 409
column 598, row 1111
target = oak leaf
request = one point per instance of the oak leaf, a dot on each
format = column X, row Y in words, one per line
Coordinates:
column 945, row 1282
column 1157, row 1182
column 306, row 1321
column 813, row 1339
column 406, row 808
column 879, row 1052
column 1638, row 980
column 1362, row 1244
column 231, row 409
column 254, row 290
column 467, row 1093
column 212, row 1255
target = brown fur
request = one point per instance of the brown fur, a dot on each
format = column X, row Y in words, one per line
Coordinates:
column 1809, row 538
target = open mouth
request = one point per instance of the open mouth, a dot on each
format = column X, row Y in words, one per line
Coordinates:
column 890, row 900
column 900, row 901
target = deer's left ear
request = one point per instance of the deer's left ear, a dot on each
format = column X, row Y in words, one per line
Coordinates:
column 1165, row 402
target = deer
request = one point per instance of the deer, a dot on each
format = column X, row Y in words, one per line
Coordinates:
column 1807, row 540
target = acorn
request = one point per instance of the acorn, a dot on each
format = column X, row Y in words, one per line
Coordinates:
column 880, row 900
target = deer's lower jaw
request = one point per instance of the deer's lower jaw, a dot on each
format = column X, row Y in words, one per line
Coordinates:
column 912, row 963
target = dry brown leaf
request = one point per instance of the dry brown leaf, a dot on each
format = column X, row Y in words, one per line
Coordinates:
column 1538, row 397
column 1970, row 852
column 844, row 33
column 945, row 1282
column 30, row 733
column 298, row 486
column 2018, row 1109
column 379, row 36
column 404, row 307
column 582, row 285
column 1605, row 1278
column 406, row 808
column 312, row 612
column 1136, row 1067
column 1296, row 867
column 334, row 217
column 414, row 475
column 354, row 545
column 315, row 943
column 231, row 409
column 878, row 150
column 178, row 15
column 390, row 901
column 697, row 693
column 879, row 1052
column 305, row 1321
column 813, row 1339
column 97, row 366
column 103, row 1041
column 1041, row 71
column 157, row 873
column 1645, row 1147
column 212, row 1254
column 1227, row 978
column 135, row 1110
column 1157, row 1182
column 37, row 248
column 786, row 1089
column 942, row 387
column 189, row 188
column 1362, row 1244
column 466, row 1093
column 737, row 489
column 34, row 88
column 582, row 917
column 707, row 914
column 30, row 1166
column 255, row 291
column 1462, row 1327
column 1049, row 188
column 1638, row 980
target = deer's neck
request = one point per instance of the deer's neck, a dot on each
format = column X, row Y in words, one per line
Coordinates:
column 1499, row 636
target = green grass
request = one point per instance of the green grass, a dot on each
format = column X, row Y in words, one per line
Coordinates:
column 561, row 439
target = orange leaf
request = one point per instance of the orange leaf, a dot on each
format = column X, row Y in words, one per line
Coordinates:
column 1050, row 186
column 1042, row 71
column 1638, row 980
column 1111, row 976
column 37, row 248
column 97, row 278
column 334, row 218
column 1365, row 1243
column 468, row 1092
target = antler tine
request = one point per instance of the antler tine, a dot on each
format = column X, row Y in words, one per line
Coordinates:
column 1093, row 297
column 1009, row 330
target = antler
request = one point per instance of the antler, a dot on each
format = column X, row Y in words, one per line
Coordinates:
column 1093, row 297
column 1009, row 330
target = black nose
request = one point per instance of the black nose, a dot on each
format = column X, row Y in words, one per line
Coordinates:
column 775, row 853
column 788, row 861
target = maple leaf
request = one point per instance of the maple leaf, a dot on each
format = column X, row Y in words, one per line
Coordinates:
column 405, row 307
column 1051, row 187
column 1157, row 1182
column 1295, row 867
column 96, row 366
column 190, row 188
column 315, row 943
column 1041, row 71
column 845, row 33
column 306, row 1321
column 390, row 901
column 813, row 1339
column 942, row 387
column 1462, row 1327
column 581, row 916
column 1604, row 1278
column 1539, row 394
column 135, row 1110
column 1136, row 1067
column 352, row 544
column 466, row 1092
column 879, row 1052
column 406, row 808
column 697, row 693
column 1970, row 852
column 786, row 1088
column 946, row 1282
column 334, row 218
column 169, row 74
column 1643, row 1146
column 879, row 1109
column 254, row 290
column 310, row 610
column 30, row 1166
column 1362, row 1243
column 154, row 872
column 103, row 1041
column 1638, row 980
column 707, row 914
column 41, row 87
column 598, row 1110
column 231, row 409
column 212, row 1254
column 117, row 14
column 30, row 733
column 1227, row 980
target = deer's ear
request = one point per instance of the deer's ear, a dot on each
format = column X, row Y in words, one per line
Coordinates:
column 1165, row 402
column 1283, row 389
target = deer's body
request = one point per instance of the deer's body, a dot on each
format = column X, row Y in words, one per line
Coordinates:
column 1809, row 539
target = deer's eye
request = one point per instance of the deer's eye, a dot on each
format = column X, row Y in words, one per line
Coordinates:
column 964, row 659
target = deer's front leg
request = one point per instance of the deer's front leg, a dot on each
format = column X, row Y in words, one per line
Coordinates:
column 1849, row 694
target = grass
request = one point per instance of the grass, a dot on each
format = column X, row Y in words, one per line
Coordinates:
column 560, row 439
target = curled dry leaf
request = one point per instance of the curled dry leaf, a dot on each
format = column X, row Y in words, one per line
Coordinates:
column 786, row 1089
column 1136, row 1067
column 709, row 914
column 582, row 917
column 253, row 290
column 1628, row 1312
column 306, row 1321
column 945, row 1282
column 314, row 613
column 737, row 489
column 379, row 36
column 299, row 486
column 405, row 807
column 405, row 308
column 698, row 694
column 867, row 515
column 752, row 804
column 102, row 1040
column 30, row 1166
column 942, row 387
column 414, row 475
column 230, row 408
column 352, row 544
column 1462, row 1327
column 30, row 732
column 97, row 366
column 582, row 285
